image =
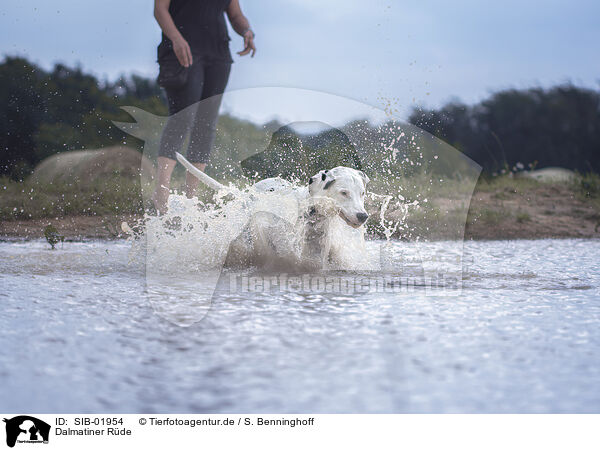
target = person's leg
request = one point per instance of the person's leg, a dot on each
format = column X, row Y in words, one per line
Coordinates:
column 175, row 131
column 164, row 171
column 171, row 141
column 202, row 136
column 191, row 182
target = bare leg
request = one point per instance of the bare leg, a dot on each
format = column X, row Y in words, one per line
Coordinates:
column 191, row 182
column 163, row 184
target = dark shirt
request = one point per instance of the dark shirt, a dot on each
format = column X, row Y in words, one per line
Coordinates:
column 202, row 24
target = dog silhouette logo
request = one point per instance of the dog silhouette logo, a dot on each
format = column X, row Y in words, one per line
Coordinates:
column 26, row 429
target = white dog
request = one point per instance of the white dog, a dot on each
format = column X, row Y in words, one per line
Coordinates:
column 339, row 192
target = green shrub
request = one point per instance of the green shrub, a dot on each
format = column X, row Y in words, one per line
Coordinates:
column 589, row 185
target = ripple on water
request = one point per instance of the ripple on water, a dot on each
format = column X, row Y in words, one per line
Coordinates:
column 80, row 325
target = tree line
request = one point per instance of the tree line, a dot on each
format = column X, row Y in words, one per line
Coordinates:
column 559, row 126
column 43, row 112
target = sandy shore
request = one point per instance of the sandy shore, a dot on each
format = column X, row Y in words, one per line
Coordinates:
column 497, row 211
column 71, row 227
column 546, row 211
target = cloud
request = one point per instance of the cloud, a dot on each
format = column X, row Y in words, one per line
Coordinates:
column 409, row 52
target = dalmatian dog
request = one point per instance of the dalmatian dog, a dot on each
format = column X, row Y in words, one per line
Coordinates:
column 330, row 195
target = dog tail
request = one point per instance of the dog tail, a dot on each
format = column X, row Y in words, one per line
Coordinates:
column 213, row 184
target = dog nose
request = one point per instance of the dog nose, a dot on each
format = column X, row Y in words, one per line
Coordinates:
column 362, row 217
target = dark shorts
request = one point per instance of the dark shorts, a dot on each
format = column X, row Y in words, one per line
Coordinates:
column 205, row 84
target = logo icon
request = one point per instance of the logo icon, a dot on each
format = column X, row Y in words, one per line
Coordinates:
column 26, row 429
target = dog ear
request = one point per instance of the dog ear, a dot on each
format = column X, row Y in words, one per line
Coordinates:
column 364, row 177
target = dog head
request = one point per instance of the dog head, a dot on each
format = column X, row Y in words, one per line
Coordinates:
column 346, row 187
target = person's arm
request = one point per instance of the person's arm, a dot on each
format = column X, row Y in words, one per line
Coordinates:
column 241, row 26
column 164, row 19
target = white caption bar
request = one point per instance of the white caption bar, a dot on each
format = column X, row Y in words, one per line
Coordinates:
column 150, row 431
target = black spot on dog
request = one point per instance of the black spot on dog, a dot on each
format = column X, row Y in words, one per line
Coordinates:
column 329, row 183
column 310, row 180
column 323, row 176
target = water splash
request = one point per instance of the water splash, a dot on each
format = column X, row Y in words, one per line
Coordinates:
column 195, row 237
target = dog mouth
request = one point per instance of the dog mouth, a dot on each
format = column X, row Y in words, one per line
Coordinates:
column 349, row 222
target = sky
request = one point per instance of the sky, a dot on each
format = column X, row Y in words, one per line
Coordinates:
column 390, row 55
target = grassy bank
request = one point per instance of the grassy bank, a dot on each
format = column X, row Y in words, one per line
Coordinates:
column 524, row 208
column 500, row 208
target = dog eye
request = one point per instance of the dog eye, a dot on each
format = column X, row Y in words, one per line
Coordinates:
column 344, row 193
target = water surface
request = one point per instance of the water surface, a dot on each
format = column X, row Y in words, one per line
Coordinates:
column 79, row 333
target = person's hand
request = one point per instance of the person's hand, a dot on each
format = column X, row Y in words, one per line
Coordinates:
column 183, row 52
column 248, row 44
